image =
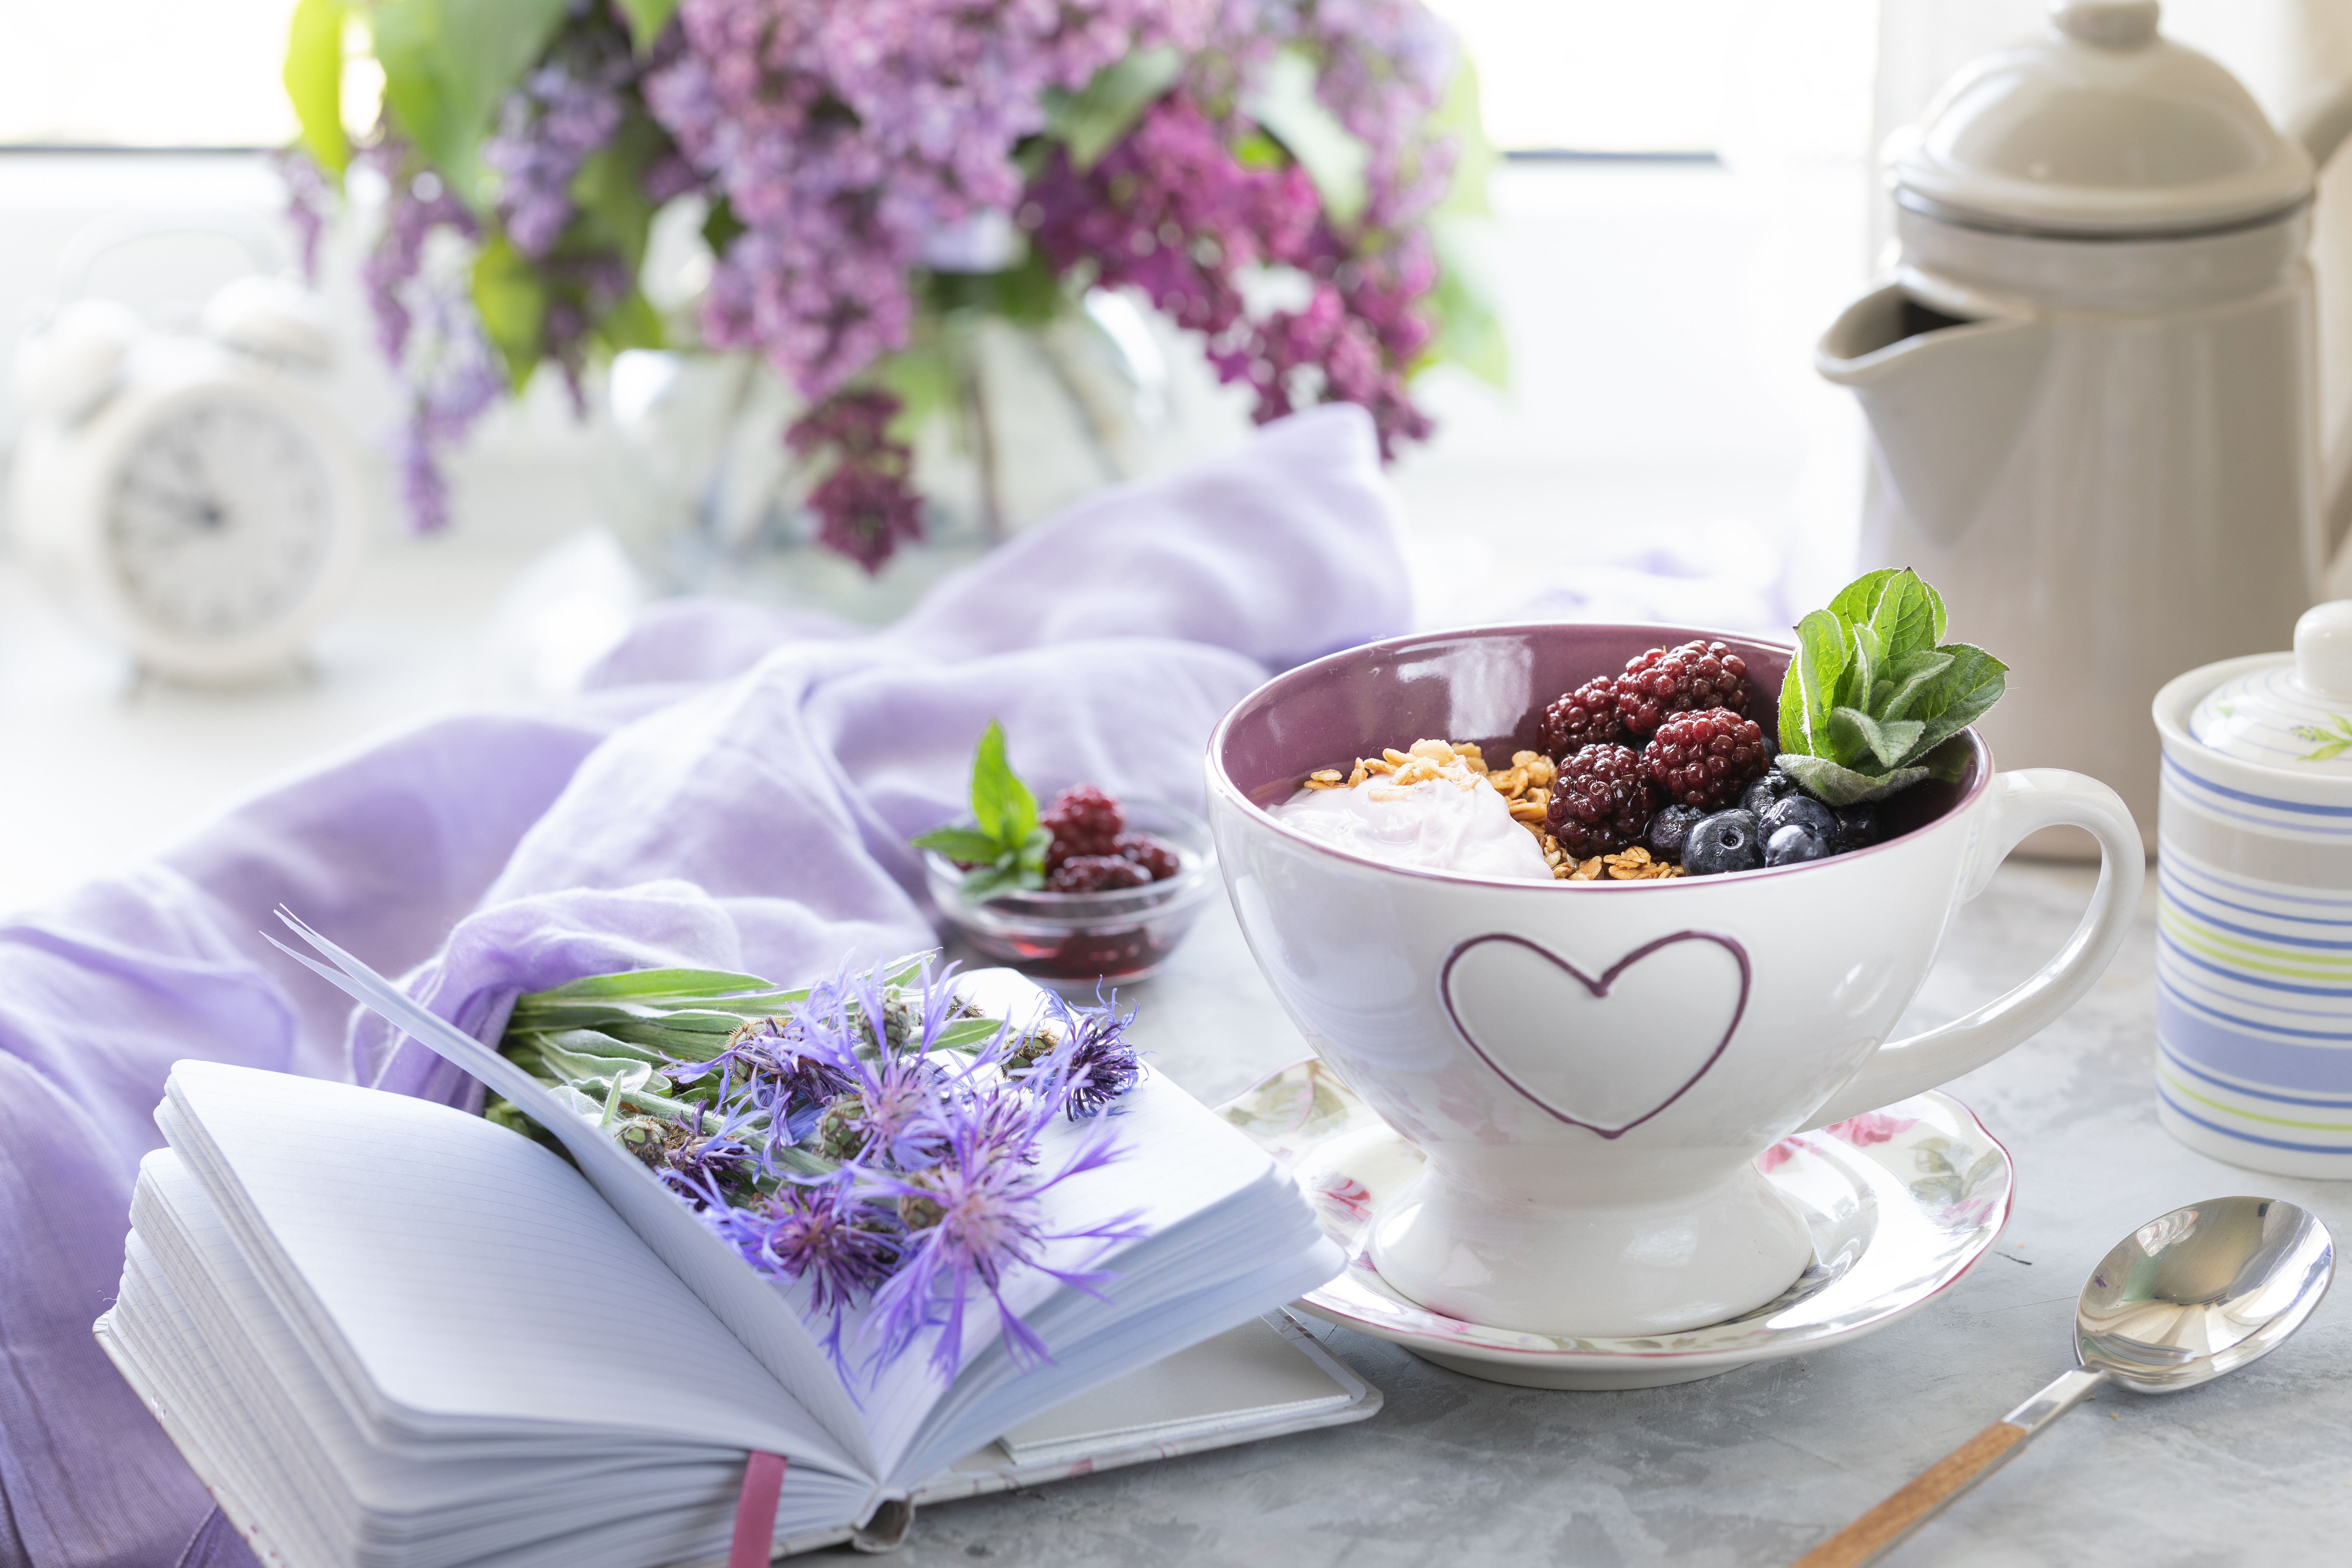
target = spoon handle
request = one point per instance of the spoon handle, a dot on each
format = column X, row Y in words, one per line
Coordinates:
column 1868, row 1537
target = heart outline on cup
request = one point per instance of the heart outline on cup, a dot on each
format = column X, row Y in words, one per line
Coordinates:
column 1599, row 990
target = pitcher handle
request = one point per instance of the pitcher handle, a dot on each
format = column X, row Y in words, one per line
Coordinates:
column 2023, row 803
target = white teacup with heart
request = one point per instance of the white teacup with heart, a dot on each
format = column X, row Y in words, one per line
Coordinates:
column 1593, row 1067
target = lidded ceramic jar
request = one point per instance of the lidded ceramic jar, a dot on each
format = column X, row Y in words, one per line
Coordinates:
column 2254, row 905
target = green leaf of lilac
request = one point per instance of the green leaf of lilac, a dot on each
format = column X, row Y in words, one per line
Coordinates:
column 313, row 75
column 1094, row 119
column 1809, row 689
column 1834, row 785
column 647, row 19
column 959, row 844
column 2327, row 753
column 1285, row 104
column 1911, row 678
column 1856, row 601
column 1974, row 683
column 1856, row 731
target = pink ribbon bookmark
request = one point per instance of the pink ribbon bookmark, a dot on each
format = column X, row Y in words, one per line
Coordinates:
column 755, row 1512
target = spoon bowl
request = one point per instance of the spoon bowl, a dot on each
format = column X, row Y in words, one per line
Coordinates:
column 2185, row 1298
column 2201, row 1291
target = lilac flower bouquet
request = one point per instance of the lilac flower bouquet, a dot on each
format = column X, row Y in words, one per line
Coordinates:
column 868, row 169
column 870, row 1137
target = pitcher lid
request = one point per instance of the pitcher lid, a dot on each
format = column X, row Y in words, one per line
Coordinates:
column 2100, row 127
column 2295, row 713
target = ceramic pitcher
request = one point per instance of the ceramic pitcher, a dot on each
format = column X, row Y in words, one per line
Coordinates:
column 2090, row 381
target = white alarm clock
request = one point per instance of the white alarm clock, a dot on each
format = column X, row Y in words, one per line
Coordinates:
column 190, row 495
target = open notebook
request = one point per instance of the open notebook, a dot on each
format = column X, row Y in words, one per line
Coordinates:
column 385, row 1331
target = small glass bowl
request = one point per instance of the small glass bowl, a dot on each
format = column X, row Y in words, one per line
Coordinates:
column 1073, row 940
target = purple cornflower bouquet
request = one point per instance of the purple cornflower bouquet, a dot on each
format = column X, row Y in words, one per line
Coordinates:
column 873, row 1138
column 866, row 169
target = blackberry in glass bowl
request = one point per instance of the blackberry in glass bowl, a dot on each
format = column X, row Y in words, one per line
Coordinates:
column 1071, row 940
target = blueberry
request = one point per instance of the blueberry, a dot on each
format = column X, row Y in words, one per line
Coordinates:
column 1793, row 843
column 1670, row 829
column 1803, row 811
column 1773, row 785
column 1724, row 842
column 1860, row 826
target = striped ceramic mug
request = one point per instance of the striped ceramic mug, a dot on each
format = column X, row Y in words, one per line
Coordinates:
column 2254, row 908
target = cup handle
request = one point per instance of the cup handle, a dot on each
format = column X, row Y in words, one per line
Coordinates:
column 2024, row 802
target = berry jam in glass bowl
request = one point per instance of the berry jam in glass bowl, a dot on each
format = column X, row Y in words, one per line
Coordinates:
column 1077, row 939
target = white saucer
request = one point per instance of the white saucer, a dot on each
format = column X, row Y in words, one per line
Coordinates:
column 1901, row 1203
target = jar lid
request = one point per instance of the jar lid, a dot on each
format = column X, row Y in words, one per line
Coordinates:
column 2296, row 713
column 2100, row 127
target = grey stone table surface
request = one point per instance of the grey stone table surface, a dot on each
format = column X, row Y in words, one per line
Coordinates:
column 1759, row 1464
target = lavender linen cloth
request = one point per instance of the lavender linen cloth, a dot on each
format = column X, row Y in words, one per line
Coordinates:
column 736, row 792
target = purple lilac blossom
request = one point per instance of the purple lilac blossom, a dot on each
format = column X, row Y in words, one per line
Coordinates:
column 564, row 110
column 426, row 329
column 843, row 135
column 309, row 199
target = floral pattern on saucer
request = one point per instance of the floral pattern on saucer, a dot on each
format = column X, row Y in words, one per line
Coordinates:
column 1901, row 1202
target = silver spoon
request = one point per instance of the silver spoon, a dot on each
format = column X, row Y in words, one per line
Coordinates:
column 2182, row 1299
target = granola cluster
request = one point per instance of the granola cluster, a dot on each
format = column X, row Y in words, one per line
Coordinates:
column 1525, row 787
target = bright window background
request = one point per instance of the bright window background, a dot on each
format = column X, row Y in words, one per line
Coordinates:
column 1581, row 75
column 143, row 73
column 1601, row 75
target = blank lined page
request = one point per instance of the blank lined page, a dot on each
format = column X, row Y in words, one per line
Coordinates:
column 759, row 1320
column 476, row 1277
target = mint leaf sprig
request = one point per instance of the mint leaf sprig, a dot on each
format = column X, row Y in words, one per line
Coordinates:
column 1006, row 846
column 1874, row 689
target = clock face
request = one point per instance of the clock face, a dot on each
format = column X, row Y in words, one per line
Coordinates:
column 220, row 516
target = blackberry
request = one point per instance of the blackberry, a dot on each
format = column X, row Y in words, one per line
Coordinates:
column 1705, row 759
column 1600, row 800
column 1084, row 820
column 1095, row 874
column 1724, row 842
column 1159, row 862
column 1669, row 829
column 1798, row 829
column 1665, row 681
column 1584, row 716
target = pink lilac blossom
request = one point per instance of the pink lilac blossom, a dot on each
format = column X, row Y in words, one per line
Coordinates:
column 1172, row 212
column 842, row 136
